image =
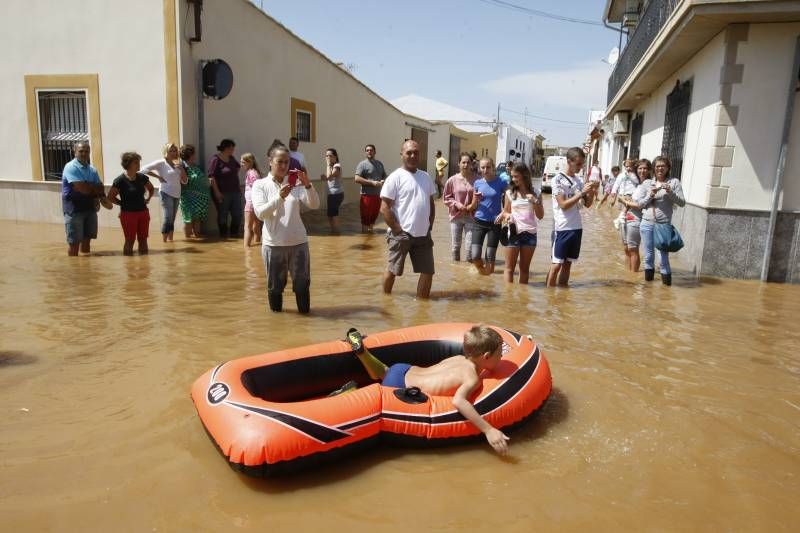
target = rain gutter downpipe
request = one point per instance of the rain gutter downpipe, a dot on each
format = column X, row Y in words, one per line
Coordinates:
column 777, row 189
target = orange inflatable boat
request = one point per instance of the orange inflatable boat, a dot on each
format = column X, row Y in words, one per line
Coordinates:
column 271, row 413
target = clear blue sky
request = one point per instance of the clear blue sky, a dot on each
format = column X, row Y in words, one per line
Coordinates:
column 468, row 53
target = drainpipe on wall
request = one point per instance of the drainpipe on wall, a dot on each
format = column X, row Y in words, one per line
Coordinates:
column 778, row 187
column 201, row 118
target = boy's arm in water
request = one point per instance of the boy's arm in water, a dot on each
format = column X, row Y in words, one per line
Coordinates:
column 494, row 436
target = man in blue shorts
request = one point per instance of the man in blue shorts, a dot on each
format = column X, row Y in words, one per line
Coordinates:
column 569, row 194
column 80, row 188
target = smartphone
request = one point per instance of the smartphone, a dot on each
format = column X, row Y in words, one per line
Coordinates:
column 293, row 177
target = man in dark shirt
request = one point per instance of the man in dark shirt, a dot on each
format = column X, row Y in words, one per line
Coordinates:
column 370, row 174
column 80, row 188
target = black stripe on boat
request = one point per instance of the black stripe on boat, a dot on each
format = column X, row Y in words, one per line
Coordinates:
column 314, row 430
column 516, row 335
column 357, row 423
column 494, row 400
column 214, row 373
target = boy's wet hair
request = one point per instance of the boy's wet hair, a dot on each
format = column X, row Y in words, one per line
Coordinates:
column 575, row 153
column 481, row 339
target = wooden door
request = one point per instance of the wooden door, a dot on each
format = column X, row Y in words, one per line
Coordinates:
column 421, row 136
column 455, row 154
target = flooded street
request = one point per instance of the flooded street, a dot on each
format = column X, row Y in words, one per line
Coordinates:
column 672, row 409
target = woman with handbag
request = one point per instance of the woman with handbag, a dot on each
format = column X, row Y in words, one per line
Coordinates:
column 657, row 198
column 521, row 209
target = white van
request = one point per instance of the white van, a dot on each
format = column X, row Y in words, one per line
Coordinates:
column 553, row 165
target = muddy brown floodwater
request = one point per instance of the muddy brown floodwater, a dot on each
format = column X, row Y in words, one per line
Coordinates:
column 673, row 409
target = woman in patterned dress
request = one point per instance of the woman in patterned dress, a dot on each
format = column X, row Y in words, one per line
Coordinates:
column 195, row 194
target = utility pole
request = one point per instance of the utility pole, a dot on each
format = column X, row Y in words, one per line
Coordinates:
column 498, row 117
column 777, row 187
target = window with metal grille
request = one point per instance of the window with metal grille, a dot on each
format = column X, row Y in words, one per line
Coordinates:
column 678, row 105
column 303, row 122
column 62, row 123
column 637, row 124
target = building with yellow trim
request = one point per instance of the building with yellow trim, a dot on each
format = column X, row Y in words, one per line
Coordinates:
column 126, row 76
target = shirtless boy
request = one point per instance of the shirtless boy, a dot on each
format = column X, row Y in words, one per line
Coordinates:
column 457, row 376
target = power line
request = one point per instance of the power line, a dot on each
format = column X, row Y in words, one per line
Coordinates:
column 537, row 13
column 544, row 118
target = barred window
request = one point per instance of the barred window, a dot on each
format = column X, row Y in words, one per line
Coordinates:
column 62, row 123
column 678, row 105
column 637, row 124
column 303, row 122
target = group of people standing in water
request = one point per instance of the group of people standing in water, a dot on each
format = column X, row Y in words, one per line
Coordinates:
column 484, row 209
column 647, row 196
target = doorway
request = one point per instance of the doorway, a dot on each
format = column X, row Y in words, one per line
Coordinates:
column 421, row 136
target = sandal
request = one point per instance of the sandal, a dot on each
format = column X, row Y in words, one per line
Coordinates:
column 355, row 340
column 347, row 387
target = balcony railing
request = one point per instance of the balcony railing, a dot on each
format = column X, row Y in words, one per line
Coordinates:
column 651, row 21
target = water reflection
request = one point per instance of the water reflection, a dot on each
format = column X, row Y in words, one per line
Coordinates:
column 671, row 407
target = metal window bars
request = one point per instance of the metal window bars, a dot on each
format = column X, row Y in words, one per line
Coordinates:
column 62, row 123
column 303, row 121
column 678, row 106
column 637, row 125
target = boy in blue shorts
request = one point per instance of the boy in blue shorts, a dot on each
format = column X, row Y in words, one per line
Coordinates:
column 569, row 193
column 458, row 375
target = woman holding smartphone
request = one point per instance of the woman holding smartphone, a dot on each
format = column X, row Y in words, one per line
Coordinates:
column 523, row 207
column 333, row 182
column 487, row 202
column 657, row 198
column 277, row 200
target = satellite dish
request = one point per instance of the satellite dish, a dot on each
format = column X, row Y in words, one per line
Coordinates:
column 613, row 56
column 217, row 79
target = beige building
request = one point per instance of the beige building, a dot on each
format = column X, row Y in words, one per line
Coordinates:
column 140, row 88
column 709, row 83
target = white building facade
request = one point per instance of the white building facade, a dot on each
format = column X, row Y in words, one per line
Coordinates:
column 707, row 83
column 140, row 88
column 515, row 143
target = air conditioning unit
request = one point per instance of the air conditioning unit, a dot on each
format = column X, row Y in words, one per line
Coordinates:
column 631, row 16
column 621, row 122
column 630, row 20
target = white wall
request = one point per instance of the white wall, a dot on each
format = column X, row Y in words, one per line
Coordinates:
column 704, row 70
column 124, row 47
column 609, row 153
column 270, row 66
column 767, row 56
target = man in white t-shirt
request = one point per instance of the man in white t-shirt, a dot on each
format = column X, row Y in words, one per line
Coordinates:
column 407, row 206
column 294, row 144
column 569, row 193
